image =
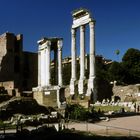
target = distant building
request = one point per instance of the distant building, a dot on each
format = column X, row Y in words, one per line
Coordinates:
column 67, row 60
column 18, row 69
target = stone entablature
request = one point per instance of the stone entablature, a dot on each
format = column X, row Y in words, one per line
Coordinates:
column 81, row 17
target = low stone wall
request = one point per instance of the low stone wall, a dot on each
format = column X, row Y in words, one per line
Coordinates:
column 47, row 99
column 9, row 88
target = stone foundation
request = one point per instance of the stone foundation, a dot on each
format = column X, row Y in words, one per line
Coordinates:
column 50, row 96
column 46, row 98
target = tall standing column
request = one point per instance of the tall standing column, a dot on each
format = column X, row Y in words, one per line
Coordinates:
column 59, row 44
column 92, row 51
column 82, row 52
column 55, row 67
column 39, row 68
column 82, row 60
column 45, row 67
column 73, row 53
column 73, row 61
column 48, row 62
column 91, row 81
column 42, row 77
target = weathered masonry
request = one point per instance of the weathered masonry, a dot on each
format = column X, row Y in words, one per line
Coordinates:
column 81, row 18
column 44, row 59
column 46, row 92
column 18, row 69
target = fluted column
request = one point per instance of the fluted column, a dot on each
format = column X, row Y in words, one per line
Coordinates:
column 73, row 61
column 44, row 57
column 59, row 44
column 82, row 52
column 91, row 82
column 42, row 68
column 73, row 53
column 48, row 62
column 82, row 60
column 39, row 68
column 92, row 51
column 55, row 67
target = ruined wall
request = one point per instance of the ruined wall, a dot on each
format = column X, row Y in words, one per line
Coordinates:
column 38, row 96
column 15, row 64
column 130, row 92
column 49, row 99
column 30, row 70
column 6, row 57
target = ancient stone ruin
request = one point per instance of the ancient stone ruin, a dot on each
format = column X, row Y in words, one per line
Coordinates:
column 81, row 18
column 46, row 92
column 54, row 95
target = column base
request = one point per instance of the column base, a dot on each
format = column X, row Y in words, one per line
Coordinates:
column 81, row 86
column 91, row 90
column 72, row 86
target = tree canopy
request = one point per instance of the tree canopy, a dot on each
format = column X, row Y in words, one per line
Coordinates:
column 127, row 71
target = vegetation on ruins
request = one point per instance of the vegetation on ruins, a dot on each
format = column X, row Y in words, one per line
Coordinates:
column 76, row 112
column 93, row 113
column 125, row 72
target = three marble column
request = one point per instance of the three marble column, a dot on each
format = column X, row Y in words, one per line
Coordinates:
column 91, row 79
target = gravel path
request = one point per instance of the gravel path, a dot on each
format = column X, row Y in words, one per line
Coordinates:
column 115, row 126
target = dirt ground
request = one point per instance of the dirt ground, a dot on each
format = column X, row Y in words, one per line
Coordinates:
column 128, row 126
column 131, row 122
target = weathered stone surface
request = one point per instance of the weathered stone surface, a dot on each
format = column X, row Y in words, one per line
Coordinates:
column 16, row 66
column 130, row 92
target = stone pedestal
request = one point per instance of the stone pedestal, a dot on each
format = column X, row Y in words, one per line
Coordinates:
column 90, row 86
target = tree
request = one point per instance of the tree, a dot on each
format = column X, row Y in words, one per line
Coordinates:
column 102, row 80
column 131, row 63
column 76, row 112
column 116, row 72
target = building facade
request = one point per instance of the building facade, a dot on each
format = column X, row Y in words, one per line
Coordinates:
column 18, row 69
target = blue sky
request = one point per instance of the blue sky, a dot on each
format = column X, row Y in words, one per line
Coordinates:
column 117, row 23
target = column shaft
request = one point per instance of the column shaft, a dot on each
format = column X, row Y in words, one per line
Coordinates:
column 60, row 63
column 42, row 77
column 55, row 67
column 48, row 61
column 39, row 68
column 82, row 60
column 92, row 50
column 82, row 52
column 45, row 68
column 73, row 53
column 91, row 82
column 73, row 61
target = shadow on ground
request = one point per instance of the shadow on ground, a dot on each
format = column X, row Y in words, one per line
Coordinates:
column 45, row 133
